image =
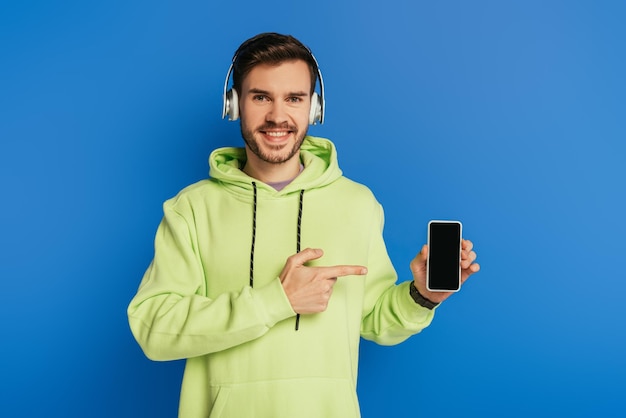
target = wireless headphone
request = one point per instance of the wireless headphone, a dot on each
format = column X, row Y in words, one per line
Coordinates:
column 231, row 98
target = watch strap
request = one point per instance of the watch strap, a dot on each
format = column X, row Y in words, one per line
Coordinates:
column 419, row 299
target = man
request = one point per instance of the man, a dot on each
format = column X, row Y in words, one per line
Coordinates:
column 266, row 275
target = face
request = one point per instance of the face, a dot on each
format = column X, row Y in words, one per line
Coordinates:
column 274, row 108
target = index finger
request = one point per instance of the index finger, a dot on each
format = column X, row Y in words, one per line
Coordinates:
column 467, row 245
column 342, row 270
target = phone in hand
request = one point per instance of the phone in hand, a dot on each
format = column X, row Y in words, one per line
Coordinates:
column 443, row 265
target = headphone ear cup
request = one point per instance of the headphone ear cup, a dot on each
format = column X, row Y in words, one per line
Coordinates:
column 315, row 113
column 231, row 105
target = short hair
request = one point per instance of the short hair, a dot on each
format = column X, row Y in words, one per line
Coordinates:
column 273, row 49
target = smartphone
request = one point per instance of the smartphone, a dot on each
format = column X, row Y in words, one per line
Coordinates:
column 443, row 265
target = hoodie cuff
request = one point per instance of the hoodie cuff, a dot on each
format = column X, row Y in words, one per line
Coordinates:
column 273, row 301
column 412, row 311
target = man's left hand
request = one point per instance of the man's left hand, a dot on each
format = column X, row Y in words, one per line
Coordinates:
column 418, row 268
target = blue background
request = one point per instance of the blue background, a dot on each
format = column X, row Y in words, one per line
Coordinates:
column 506, row 115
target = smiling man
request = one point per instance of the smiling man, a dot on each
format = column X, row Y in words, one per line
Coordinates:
column 266, row 275
column 275, row 100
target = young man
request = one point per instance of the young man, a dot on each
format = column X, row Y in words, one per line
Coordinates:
column 266, row 275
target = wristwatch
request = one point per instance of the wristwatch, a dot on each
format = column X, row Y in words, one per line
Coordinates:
column 419, row 299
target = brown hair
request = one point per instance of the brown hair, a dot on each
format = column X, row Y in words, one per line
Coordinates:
column 270, row 48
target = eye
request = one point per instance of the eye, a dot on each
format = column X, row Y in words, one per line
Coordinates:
column 294, row 99
column 260, row 98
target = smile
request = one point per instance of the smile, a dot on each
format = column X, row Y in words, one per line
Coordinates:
column 276, row 134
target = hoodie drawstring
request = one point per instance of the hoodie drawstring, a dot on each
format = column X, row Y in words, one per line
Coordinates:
column 298, row 241
column 298, row 236
column 253, row 236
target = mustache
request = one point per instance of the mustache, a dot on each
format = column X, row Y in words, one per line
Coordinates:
column 272, row 125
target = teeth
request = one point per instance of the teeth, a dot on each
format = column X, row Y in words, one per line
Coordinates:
column 276, row 134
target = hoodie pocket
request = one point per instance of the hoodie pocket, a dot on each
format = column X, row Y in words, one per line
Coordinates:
column 289, row 398
column 221, row 400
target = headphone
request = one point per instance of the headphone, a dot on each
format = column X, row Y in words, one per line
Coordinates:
column 230, row 107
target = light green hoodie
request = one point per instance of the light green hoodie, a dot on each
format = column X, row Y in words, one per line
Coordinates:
column 244, row 356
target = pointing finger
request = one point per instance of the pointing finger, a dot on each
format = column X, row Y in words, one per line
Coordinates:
column 342, row 270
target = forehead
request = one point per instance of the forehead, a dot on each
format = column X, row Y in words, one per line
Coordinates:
column 285, row 76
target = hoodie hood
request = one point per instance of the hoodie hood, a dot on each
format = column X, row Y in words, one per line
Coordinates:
column 318, row 155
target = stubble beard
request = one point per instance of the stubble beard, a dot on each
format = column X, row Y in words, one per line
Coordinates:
column 275, row 157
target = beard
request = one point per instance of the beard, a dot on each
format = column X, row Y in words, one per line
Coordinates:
column 276, row 154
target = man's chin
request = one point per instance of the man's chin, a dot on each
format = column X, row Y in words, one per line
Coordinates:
column 272, row 151
column 276, row 157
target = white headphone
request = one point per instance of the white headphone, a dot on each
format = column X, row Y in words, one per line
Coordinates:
column 230, row 107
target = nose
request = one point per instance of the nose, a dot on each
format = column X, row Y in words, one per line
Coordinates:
column 277, row 112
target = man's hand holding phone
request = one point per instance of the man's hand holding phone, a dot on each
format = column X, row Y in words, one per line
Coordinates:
column 438, row 289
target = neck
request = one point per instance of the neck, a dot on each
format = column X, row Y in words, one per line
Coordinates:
column 271, row 172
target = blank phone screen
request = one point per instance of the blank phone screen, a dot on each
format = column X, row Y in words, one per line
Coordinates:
column 444, row 246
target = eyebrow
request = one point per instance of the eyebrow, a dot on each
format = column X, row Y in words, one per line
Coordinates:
column 267, row 93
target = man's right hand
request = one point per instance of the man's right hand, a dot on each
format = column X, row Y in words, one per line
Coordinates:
column 309, row 288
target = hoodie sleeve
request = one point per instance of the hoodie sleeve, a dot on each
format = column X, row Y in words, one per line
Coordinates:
column 390, row 314
column 172, row 319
